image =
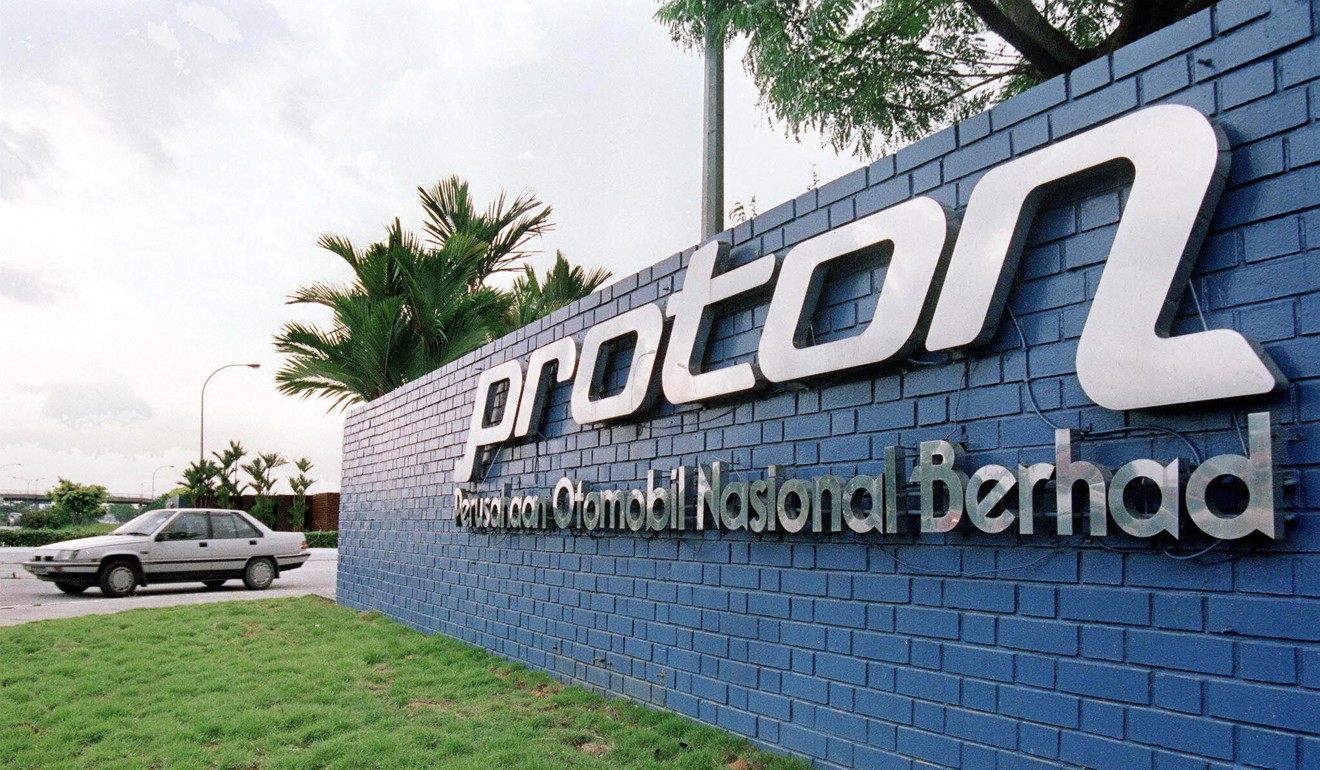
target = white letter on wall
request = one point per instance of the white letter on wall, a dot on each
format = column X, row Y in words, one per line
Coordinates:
column 479, row 433
column 918, row 229
column 648, row 323
column 681, row 374
column 1125, row 360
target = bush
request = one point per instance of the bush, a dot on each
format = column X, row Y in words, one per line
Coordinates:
column 33, row 538
column 328, row 539
column 44, row 518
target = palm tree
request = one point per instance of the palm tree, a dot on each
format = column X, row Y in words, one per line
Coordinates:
column 408, row 312
column 411, row 309
column 505, row 228
column 563, row 284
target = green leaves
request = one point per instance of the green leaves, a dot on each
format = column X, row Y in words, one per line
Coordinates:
column 412, row 308
column 77, row 503
column 871, row 75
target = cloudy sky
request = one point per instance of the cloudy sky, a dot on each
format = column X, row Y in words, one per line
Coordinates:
column 166, row 168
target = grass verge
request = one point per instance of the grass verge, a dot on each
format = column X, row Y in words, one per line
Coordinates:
column 304, row 683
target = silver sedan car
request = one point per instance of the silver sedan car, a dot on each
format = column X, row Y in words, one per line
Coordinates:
column 172, row 546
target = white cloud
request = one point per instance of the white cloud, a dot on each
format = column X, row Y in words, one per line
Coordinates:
column 210, row 20
column 94, row 402
column 162, row 34
column 28, row 286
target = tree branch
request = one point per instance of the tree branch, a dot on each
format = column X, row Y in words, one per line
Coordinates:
column 1020, row 24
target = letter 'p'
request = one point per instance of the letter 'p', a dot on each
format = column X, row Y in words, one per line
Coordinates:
column 484, row 433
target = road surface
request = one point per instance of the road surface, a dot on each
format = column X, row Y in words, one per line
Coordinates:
column 24, row 599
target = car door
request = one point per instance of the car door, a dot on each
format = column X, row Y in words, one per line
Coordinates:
column 230, row 545
column 182, row 549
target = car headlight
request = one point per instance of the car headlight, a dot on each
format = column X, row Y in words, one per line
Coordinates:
column 65, row 555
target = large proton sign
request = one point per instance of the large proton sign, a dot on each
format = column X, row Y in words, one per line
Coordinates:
column 944, row 289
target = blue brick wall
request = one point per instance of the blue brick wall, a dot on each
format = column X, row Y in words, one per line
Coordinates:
column 963, row 650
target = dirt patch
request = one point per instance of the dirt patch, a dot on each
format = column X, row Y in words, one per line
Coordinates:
column 544, row 690
column 738, row 763
column 251, row 630
column 594, row 749
column 28, row 726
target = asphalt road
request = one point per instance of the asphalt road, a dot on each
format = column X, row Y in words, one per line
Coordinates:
column 24, row 599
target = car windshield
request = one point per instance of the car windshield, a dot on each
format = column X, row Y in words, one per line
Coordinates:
column 145, row 524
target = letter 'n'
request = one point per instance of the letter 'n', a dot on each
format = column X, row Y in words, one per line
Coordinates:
column 1125, row 358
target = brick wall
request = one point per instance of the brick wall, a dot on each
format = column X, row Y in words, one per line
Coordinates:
column 962, row 650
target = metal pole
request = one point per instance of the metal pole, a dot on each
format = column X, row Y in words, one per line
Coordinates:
column 201, row 421
column 153, row 480
column 712, row 157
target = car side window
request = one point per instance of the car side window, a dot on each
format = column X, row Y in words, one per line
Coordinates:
column 243, row 528
column 222, row 527
column 188, row 526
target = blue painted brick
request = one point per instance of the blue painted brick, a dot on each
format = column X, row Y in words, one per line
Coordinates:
column 1268, row 748
column 981, row 662
column 1182, row 612
column 1276, row 618
column 1165, row 78
column 1105, row 605
column 1034, row 101
column 941, row 624
column 988, row 729
column 1184, row 652
column 1202, row 736
column 1179, row 693
column 1092, row 751
column 1103, row 681
column 934, row 146
column 1089, row 77
column 930, row 747
column 1246, row 84
column 1039, row 635
column 1040, row 706
column 1094, row 109
column 980, row 595
column 1037, row 601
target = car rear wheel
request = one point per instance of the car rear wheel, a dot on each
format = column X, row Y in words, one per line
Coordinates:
column 118, row 579
column 72, row 588
column 213, row 584
column 259, row 574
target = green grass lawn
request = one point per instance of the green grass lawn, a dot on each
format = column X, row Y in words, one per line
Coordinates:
column 304, row 683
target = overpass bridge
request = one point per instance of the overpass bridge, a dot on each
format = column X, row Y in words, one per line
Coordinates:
column 43, row 498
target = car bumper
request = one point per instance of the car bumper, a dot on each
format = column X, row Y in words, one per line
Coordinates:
column 63, row 571
column 292, row 561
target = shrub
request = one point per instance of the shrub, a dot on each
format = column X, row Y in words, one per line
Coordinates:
column 33, row 538
column 327, row 539
column 44, row 518
column 78, row 503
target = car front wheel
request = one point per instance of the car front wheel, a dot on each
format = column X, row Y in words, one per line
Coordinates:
column 118, row 579
column 259, row 574
column 72, row 588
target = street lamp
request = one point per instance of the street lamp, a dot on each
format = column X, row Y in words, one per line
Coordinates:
column 201, row 423
column 11, row 465
column 153, row 480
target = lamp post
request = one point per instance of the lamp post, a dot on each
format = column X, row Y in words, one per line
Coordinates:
column 11, row 465
column 201, row 422
column 153, row 480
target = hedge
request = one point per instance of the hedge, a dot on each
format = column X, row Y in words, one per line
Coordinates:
column 31, row 538
column 327, row 539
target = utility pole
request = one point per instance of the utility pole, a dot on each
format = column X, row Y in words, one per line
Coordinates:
column 712, row 157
